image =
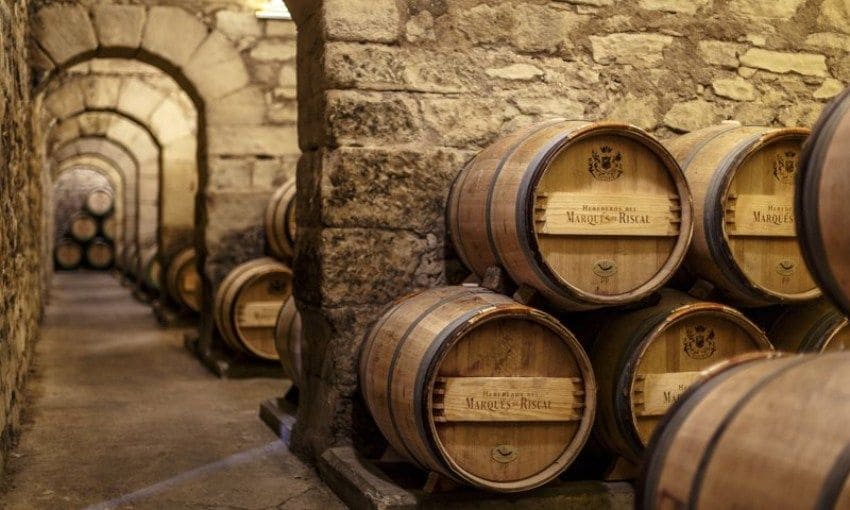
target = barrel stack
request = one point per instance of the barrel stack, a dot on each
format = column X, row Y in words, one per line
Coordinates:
column 90, row 236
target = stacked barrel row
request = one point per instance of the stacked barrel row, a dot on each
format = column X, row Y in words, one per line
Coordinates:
column 254, row 310
column 91, row 235
column 641, row 249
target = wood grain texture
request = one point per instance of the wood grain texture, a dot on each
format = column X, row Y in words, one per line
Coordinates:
column 100, row 254
column 821, row 202
column 68, row 254
column 83, row 228
column 769, row 434
column 151, row 269
column 289, row 342
column 813, row 327
column 182, row 280
column 588, row 214
column 109, row 228
column 456, row 342
column 280, row 222
column 645, row 359
column 247, row 304
column 742, row 180
column 99, row 202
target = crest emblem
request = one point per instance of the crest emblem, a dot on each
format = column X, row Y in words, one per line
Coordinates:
column 606, row 164
column 699, row 342
column 785, row 166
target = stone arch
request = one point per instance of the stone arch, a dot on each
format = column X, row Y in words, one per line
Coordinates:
column 140, row 143
column 105, row 168
column 170, row 124
column 116, row 155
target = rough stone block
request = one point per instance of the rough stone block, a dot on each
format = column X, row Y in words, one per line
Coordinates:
column 119, row 26
column 356, row 118
column 237, row 25
column 638, row 111
column 230, row 76
column 683, row 6
column 738, row 89
column 101, row 92
column 65, row 100
column 362, row 20
column 829, row 41
column 550, row 106
column 835, row 15
column 690, row 116
column 169, row 122
column 281, row 28
column 274, row 51
column 385, row 188
column 516, row 72
column 245, row 106
column 229, row 173
column 830, row 88
column 140, row 98
column 781, row 9
column 639, row 50
column 466, row 122
column 173, row 34
column 720, row 53
column 65, row 31
column 807, row 64
column 254, row 140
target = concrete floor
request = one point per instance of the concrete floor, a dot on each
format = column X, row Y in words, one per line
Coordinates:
column 121, row 416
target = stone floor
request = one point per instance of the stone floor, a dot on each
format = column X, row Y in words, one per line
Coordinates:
column 120, row 416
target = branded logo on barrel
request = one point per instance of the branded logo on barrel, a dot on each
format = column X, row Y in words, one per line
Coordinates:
column 699, row 341
column 606, row 164
column 785, row 166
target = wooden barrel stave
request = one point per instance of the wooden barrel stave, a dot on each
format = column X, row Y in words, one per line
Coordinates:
column 812, row 327
column 820, row 203
column 83, row 228
column 182, row 280
column 151, row 268
column 279, row 222
column 430, row 343
column 731, row 171
column 100, row 254
column 507, row 208
column 68, row 254
column 108, row 228
column 758, row 434
column 289, row 342
column 644, row 359
column 99, row 202
column 259, row 284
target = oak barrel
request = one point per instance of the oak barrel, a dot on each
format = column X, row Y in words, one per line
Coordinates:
column 108, row 227
column 812, row 327
column 765, row 434
column 182, row 280
column 289, row 341
column 100, row 254
column 247, row 305
column 83, row 228
column 280, row 222
column 68, row 254
column 151, row 269
column 645, row 359
column 131, row 260
column 821, row 201
column 475, row 386
column 745, row 244
column 588, row 214
column 99, row 202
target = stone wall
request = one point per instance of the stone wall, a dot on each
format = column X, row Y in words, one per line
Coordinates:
column 395, row 96
column 20, row 233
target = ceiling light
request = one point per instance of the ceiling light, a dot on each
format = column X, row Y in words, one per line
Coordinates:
column 274, row 9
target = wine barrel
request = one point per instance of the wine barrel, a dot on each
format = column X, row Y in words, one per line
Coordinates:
column 83, row 228
column 100, row 254
column 766, row 434
column 823, row 186
column 68, row 254
column 486, row 391
column 109, row 227
column 588, row 214
column 745, row 245
column 280, row 224
column 99, row 202
column 182, row 280
column 645, row 359
column 289, row 341
column 131, row 260
column 247, row 305
column 151, row 269
column 813, row 327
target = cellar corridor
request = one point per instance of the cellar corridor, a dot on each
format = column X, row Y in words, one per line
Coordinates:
column 120, row 416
